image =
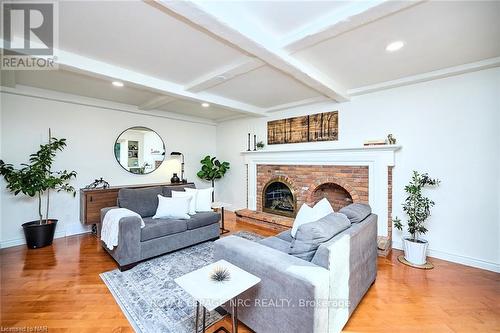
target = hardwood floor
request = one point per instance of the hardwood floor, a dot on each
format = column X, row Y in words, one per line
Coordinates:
column 59, row 287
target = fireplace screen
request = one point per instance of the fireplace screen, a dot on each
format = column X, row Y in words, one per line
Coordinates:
column 278, row 198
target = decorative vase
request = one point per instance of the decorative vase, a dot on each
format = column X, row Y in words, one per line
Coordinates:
column 175, row 179
column 415, row 251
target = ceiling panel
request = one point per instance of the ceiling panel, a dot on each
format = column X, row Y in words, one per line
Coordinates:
column 195, row 109
column 264, row 87
column 82, row 85
column 140, row 37
column 437, row 35
column 274, row 19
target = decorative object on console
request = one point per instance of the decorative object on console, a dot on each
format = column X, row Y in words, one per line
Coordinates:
column 139, row 150
column 254, row 142
column 98, row 183
column 220, row 274
column 391, row 139
column 178, row 153
column 311, row 128
column 37, row 179
column 248, row 149
column 418, row 209
column 212, row 169
column 175, row 179
column 260, row 145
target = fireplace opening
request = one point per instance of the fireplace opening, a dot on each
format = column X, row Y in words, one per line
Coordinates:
column 338, row 196
column 278, row 198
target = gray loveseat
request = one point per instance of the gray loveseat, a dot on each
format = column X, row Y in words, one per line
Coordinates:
column 296, row 295
column 159, row 236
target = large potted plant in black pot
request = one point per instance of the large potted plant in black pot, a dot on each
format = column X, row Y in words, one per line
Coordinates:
column 36, row 179
column 418, row 208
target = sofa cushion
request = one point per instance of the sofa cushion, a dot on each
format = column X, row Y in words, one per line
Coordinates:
column 167, row 190
column 276, row 243
column 311, row 235
column 161, row 227
column 202, row 219
column 143, row 201
column 285, row 235
column 356, row 212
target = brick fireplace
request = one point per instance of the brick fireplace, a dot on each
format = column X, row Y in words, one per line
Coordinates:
column 280, row 181
column 340, row 184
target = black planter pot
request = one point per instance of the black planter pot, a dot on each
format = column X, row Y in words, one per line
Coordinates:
column 39, row 235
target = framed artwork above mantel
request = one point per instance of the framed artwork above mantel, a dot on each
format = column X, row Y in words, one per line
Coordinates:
column 311, row 128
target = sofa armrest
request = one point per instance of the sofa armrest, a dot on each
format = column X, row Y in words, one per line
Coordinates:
column 128, row 250
column 294, row 283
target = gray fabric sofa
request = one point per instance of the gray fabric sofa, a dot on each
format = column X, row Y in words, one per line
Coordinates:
column 317, row 296
column 159, row 236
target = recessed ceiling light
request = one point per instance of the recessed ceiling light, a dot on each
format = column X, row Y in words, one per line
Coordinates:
column 395, row 46
column 205, row 105
column 117, row 83
column 220, row 77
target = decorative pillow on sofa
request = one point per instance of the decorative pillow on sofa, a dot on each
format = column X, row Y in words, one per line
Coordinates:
column 173, row 208
column 307, row 214
column 311, row 235
column 192, row 203
column 356, row 212
column 203, row 198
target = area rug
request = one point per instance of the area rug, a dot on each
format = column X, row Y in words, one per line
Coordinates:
column 149, row 297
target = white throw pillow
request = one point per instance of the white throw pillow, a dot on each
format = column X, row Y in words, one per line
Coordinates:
column 173, row 208
column 322, row 209
column 307, row 214
column 203, row 198
column 304, row 215
column 192, row 203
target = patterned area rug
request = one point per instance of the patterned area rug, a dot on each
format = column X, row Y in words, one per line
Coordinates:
column 149, row 297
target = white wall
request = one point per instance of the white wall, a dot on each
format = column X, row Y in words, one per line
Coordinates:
column 449, row 128
column 91, row 133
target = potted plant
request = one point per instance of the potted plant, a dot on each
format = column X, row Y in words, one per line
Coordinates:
column 418, row 208
column 212, row 169
column 36, row 179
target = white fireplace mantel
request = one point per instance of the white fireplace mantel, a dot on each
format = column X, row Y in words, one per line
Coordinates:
column 377, row 158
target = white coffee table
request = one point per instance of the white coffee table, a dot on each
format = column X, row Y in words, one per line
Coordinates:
column 211, row 294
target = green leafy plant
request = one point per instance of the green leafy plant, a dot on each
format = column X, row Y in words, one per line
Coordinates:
column 260, row 145
column 417, row 206
column 36, row 178
column 212, row 169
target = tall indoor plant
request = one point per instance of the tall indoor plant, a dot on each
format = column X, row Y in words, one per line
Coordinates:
column 36, row 179
column 418, row 208
column 212, row 169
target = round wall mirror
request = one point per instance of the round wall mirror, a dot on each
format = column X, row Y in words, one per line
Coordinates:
column 139, row 150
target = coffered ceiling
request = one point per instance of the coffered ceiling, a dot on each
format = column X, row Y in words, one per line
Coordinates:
column 253, row 57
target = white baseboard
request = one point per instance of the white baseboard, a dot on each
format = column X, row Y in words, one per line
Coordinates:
column 69, row 230
column 456, row 258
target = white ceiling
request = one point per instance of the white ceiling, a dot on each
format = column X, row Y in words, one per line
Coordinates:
column 253, row 57
column 83, row 85
column 437, row 35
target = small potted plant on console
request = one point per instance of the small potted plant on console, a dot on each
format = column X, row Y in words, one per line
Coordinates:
column 418, row 208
